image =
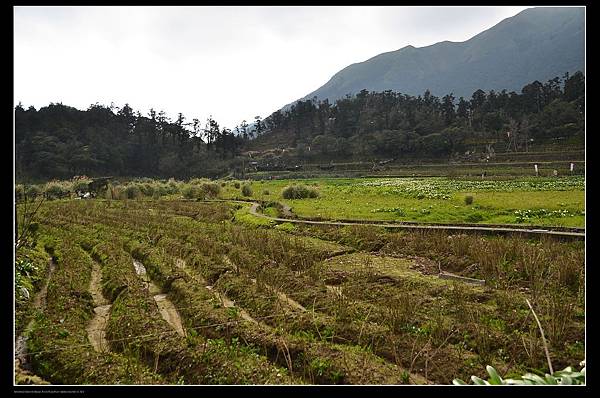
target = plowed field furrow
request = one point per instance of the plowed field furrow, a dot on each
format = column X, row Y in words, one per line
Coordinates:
column 166, row 308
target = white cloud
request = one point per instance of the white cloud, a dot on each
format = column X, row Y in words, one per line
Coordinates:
column 231, row 62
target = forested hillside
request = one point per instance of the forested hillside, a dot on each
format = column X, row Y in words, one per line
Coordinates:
column 59, row 141
column 392, row 124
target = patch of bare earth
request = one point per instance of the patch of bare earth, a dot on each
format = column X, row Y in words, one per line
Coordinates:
column 166, row 308
column 96, row 329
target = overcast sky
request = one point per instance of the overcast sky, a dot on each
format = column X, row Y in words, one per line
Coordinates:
column 229, row 62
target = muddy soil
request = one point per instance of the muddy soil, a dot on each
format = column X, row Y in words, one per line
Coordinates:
column 96, row 329
column 169, row 313
column 166, row 308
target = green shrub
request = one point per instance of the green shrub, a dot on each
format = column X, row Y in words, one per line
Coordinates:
column 211, row 189
column 32, row 191
column 133, row 191
column 147, row 189
column 198, row 181
column 266, row 192
column 80, row 186
column 173, row 186
column 299, row 192
column 469, row 199
column 236, row 185
column 190, row 191
column 163, row 189
column 247, row 190
column 55, row 190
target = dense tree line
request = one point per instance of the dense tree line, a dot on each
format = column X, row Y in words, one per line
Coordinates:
column 392, row 124
column 59, row 141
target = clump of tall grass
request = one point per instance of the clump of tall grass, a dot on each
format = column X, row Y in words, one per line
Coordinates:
column 299, row 192
column 19, row 190
column 191, row 191
column 32, row 191
column 147, row 188
column 173, row 186
column 80, row 186
column 469, row 200
column 133, row 191
column 112, row 192
column 210, row 189
column 247, row 190
column 201, row 190
column 56, row 189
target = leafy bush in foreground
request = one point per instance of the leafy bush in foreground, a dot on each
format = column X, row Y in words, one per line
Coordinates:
column 563, row 377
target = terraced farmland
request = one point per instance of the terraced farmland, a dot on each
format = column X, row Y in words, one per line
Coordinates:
column 182, row 292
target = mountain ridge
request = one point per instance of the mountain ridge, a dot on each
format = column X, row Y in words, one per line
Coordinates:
column 517, row 50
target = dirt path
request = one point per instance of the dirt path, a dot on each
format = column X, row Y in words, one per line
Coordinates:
column 39, row 303
column 166, row 308
column 96, row 329
column 169, row 313
column 96, row 286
